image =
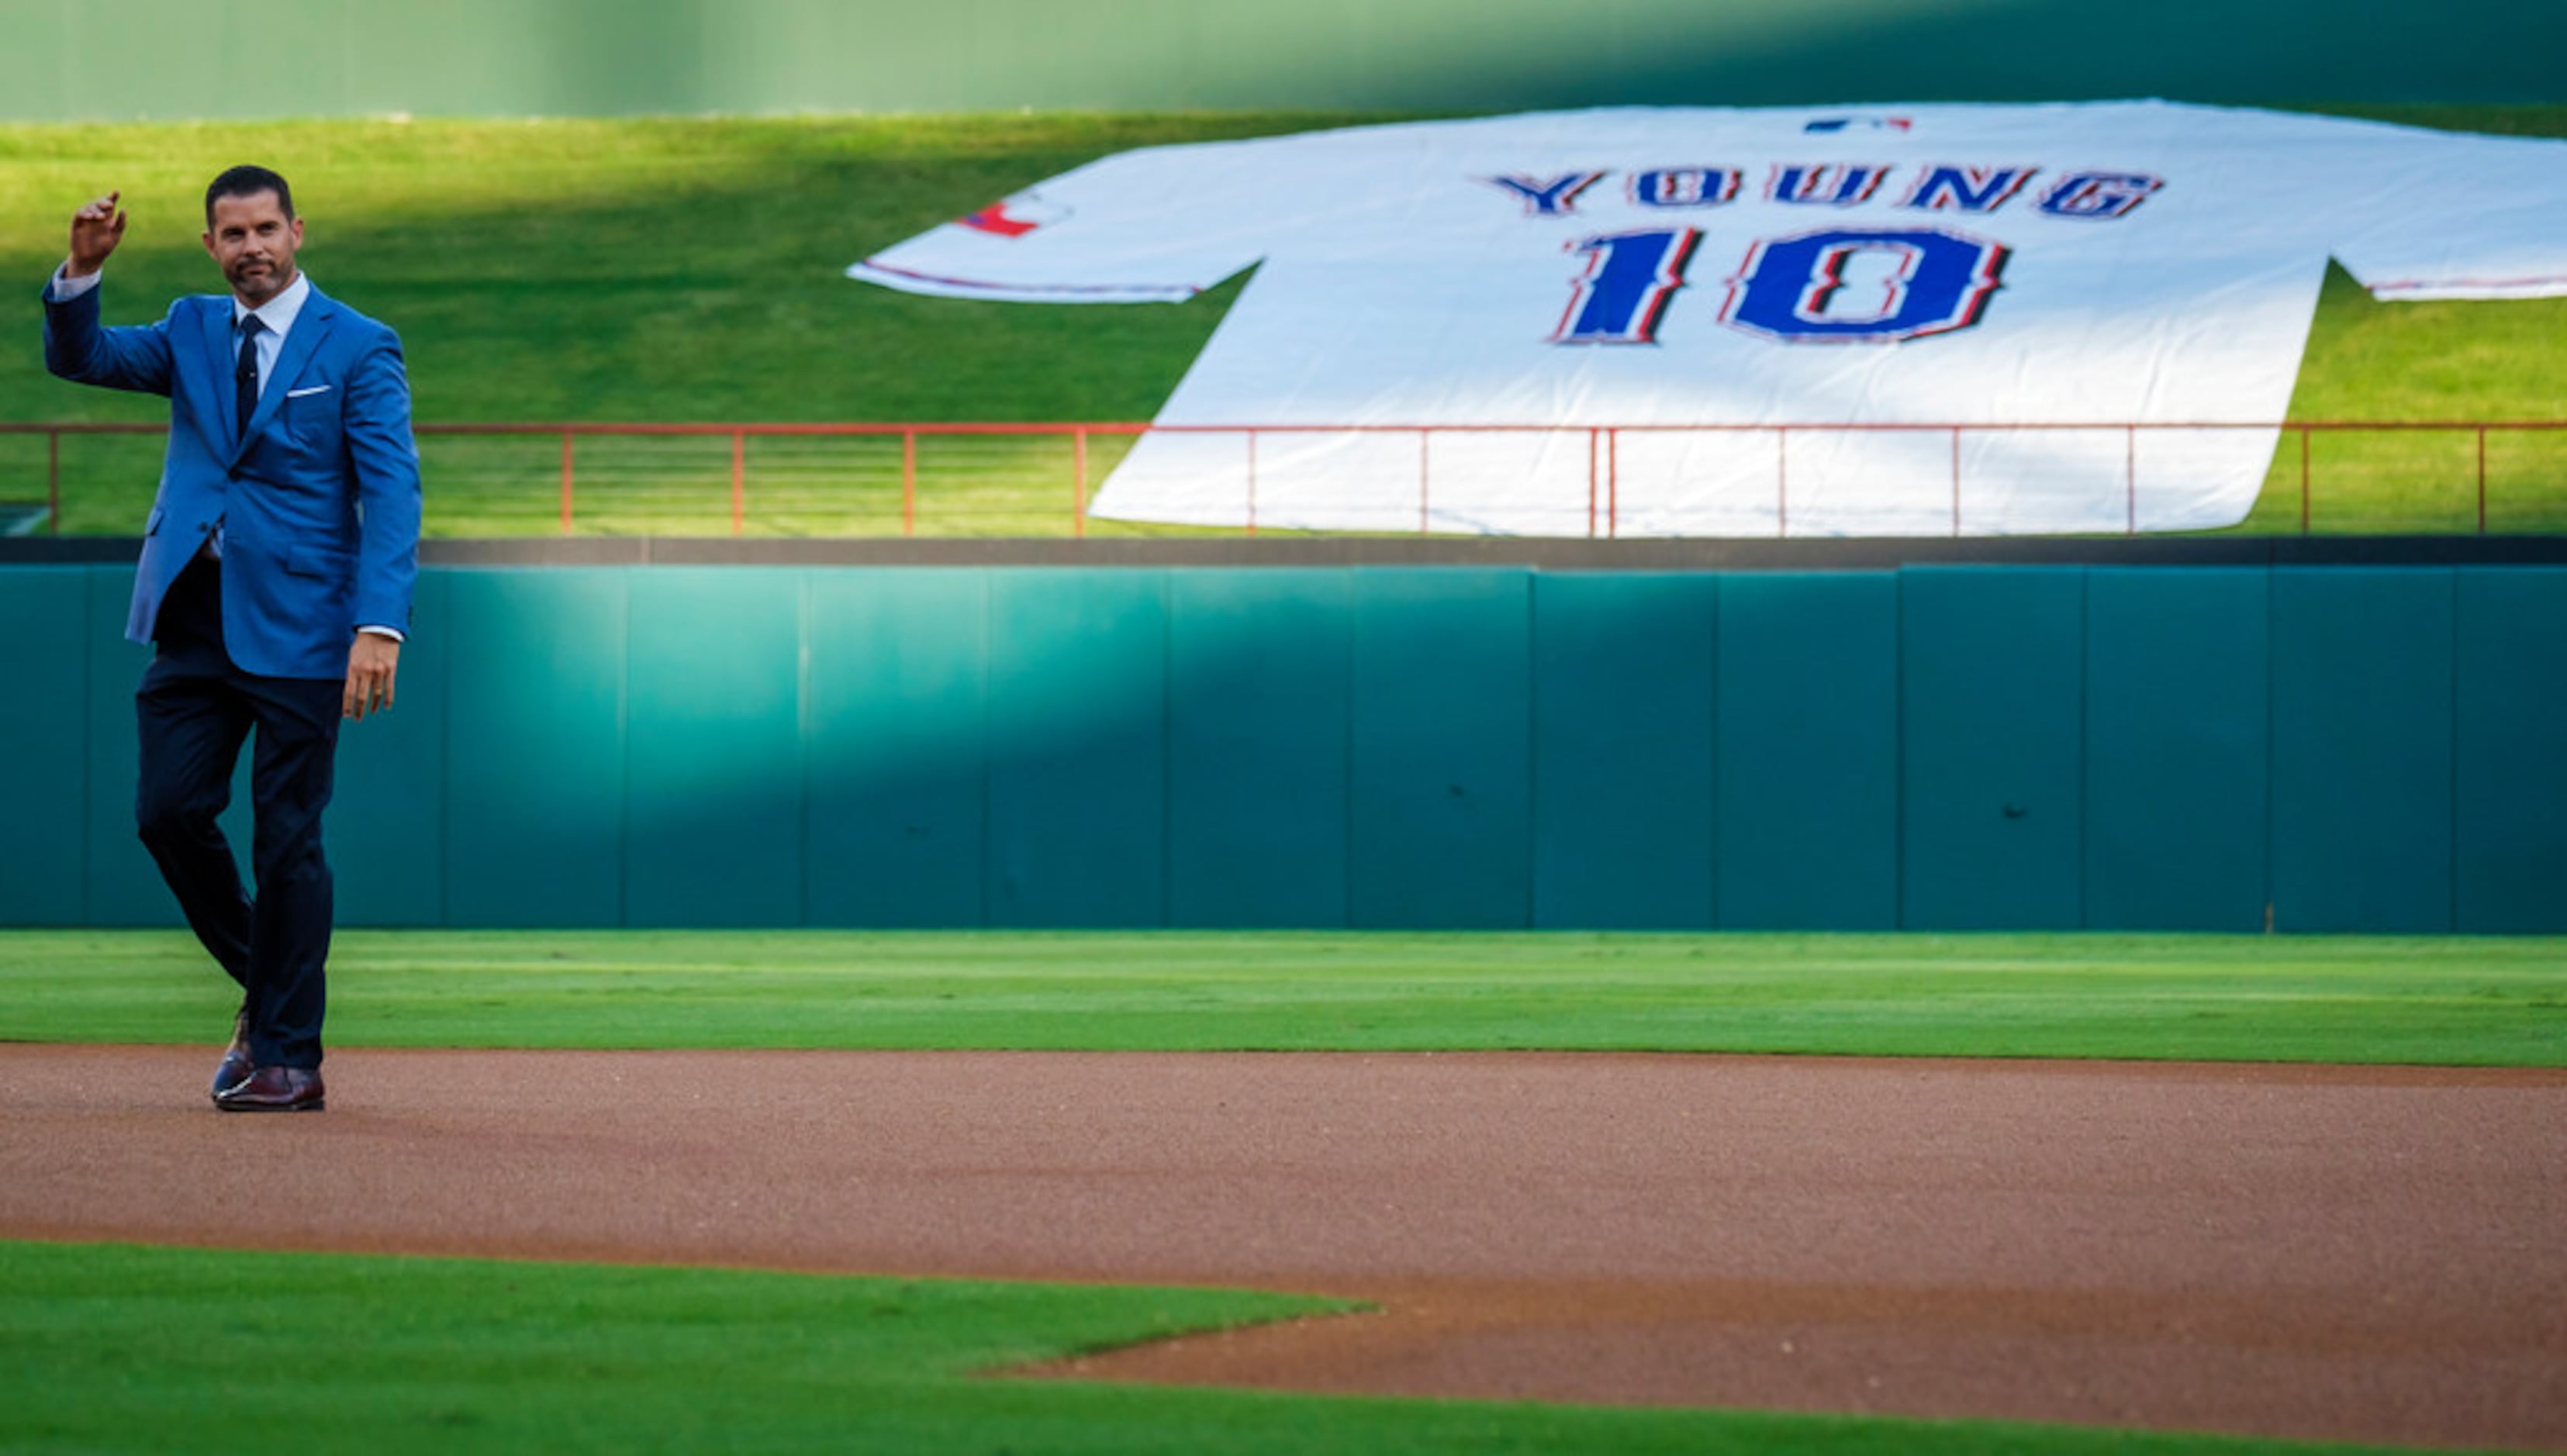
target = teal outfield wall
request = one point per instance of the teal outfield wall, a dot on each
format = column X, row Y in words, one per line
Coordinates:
column 114, row 60
column 1932, row 748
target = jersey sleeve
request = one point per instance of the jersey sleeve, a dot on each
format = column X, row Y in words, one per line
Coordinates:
column 2448, row 216
column 1158, row 226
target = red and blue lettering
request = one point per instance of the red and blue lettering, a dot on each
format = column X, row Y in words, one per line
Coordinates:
column 1831, row 185
column 1793, row 289
column 1966, row 189
column 1685, row 186
column 1629, row 280
column 1556, row 198
column 2099, row 196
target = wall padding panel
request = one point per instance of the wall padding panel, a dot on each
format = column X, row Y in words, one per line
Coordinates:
column 2511, row 746
column 1442, row 738
column 2362, row 750
column 44, row 832
column 2177, row 735
column 534, row 714
column 1078, row 690
column 897, row 762
column 1625, row 677
column 1992, row 732
column 1807, row 755
column 713, row 748
column 1259, row 757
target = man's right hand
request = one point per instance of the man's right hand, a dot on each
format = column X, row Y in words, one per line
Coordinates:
column 96, row 230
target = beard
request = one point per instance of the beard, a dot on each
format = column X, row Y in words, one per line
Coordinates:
column 260, row 279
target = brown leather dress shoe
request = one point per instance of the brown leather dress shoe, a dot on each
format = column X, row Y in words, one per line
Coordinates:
column 236, row 1067
column 274, row 1089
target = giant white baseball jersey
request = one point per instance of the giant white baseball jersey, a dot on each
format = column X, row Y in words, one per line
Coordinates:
column 1958, row 312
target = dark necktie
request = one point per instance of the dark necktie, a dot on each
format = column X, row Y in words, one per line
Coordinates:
column 246, row 374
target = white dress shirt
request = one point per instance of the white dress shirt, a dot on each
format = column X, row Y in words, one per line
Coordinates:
column 278, row 313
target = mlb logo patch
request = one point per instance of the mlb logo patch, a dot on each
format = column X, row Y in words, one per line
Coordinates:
column 1859, row 123
column 1013, row 217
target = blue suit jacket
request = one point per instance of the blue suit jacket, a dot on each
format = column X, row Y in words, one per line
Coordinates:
column 320, row 500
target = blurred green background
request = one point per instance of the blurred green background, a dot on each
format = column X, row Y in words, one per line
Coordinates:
column 186, row 58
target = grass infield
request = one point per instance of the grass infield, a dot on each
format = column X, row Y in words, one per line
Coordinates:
column 110, row 1348
column 2460, row 1001
column 115, row 1347
column 690, row 270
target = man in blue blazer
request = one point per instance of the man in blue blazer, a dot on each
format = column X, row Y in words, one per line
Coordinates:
column 275, row 588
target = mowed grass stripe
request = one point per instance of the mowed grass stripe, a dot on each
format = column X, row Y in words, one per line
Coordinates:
column 690, row 270
column 118, row 1347
column 2454, row 1001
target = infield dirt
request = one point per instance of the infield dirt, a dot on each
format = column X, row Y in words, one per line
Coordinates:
column 2353, row 1253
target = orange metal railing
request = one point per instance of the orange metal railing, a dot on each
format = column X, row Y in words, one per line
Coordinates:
column 1605, row 446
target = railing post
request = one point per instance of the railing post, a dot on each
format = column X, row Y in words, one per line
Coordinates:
column 738, row 479
column 2481, row 480
column 1957, row 482
column 1781, row 481
column 54, row 482
column 1592, row 445
column 1423, row 436
column 909, row 482
column 2304, row 480
column 1078, row 481
column 1613, row 484
column 1251, row 482
column 567, row 488
column 2131, row 477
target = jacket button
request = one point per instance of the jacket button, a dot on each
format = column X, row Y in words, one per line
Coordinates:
column 232, row 474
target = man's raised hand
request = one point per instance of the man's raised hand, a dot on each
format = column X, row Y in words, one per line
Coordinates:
column 96, row 230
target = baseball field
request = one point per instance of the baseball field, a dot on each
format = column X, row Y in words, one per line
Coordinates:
column 937, row 1192
column 1211, row 1192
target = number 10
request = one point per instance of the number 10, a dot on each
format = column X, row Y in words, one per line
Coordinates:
column 1789, row 288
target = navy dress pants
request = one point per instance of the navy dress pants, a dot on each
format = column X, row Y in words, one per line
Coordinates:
column 196, row 708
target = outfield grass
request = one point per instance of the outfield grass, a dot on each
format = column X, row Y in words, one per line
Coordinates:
column 2459, row 1001
column 107, row 1348
column 690, row 270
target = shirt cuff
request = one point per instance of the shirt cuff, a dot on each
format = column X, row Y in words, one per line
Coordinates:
column 63, row 290
column 383, row 631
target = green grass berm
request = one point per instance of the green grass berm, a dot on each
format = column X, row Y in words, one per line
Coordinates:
column 689, row 270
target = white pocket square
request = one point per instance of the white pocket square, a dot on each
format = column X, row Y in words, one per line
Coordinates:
column 298, row 393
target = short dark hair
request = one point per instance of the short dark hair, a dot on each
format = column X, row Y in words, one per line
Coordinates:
column 248, row 181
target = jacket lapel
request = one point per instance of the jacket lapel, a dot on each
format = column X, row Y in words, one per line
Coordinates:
column 221, row 357
column 311, row 327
